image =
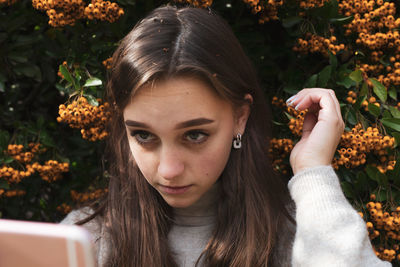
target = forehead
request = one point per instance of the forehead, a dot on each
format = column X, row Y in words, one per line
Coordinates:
column 178, row 99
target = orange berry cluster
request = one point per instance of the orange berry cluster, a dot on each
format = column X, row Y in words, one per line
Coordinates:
column 279, row 149
column 12, row 175
column 384, row 224
column 16, row 152
column 90, row 119
column 317, row 44
column 107, row 63
column 375, row 25
column 52, row 170
column 355, row 144
column 296, row 122
column 368, row 15
column 352, row 98
column 62, row 13
column 59, row 72
column 267, row 10
column 393, row 72
column 64, row 208
column 197, row 3
column 278, row 102
column 312, row 3
column 7, row 2
column 12, row 193
column 387, row 163
column 83, row 197
column 103, row 10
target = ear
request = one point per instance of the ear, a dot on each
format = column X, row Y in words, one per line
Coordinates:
column 242, row 114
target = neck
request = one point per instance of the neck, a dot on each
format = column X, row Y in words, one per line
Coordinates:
column 202, row 212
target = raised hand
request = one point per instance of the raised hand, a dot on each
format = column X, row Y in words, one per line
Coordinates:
column 322, row 128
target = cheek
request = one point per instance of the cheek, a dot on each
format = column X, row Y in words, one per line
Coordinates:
column 145, row 161
column 213, row 162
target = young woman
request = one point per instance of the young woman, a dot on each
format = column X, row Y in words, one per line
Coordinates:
column 191, row 183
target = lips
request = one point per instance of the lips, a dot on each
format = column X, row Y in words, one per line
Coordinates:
column 174, row 189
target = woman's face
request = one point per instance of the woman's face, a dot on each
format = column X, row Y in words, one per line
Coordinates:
column 180, row 134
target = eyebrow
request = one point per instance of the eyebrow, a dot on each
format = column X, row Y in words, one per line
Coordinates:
column 185, row 124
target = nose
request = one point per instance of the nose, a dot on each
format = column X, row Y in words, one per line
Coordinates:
column 170, row 165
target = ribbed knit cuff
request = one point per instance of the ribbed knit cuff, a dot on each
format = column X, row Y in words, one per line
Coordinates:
column 319, row 187
column 313, row 180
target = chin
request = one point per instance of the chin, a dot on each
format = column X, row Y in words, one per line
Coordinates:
column 176, row 202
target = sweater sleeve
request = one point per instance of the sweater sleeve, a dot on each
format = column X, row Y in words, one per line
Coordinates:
column 329, row 230
column 94, row 228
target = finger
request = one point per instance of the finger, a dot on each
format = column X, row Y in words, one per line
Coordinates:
column 337, row 105
column 316, row 99
column 310, row 120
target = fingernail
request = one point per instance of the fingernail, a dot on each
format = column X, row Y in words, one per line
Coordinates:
column 291, row 100
column 296, row 107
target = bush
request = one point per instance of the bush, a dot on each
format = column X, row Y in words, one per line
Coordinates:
column 53, row 62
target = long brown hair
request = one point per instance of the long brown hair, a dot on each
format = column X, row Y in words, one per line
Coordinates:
column 172, row 42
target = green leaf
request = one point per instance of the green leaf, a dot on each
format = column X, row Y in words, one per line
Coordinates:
column 393, row 93
column 29, row 70
column 371, row 172
column 8, row 160
column 93, row 82
column 65, row 72
column 40, row 122
column 386, row 114
column 347, row 189
column 359, row 101
column 376, row 175
column 341, row 20
column 361, row 183
column 346, row 82
column 396, row 136
column 324, row 76
column 290, row 89
column 381, row 195
column 379, row 89
column 17, row 57
column 359, row 53
column 311, row 82
column 4, row 184
column 351, row 117
column 4, row 137
column 332, row 60
column 364, row 89
column 374, row 110
column 288, row 115
column 395, row 112
column 392, row 123
column 278, row 123
column 356, row 76
column 382, row 178
column 91, row 100
column 394, row 175
column 290, row 22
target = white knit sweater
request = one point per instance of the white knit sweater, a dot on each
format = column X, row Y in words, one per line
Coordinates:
column 329, row 230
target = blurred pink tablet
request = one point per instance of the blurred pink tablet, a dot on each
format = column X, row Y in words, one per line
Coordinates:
column 35, row 244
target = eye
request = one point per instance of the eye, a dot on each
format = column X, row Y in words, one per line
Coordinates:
column 143, row 137
column 196, row 136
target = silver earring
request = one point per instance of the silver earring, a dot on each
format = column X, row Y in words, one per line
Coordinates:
column 237, row 142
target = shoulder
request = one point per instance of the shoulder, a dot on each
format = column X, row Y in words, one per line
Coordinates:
column 77, row 215
column 93, row 226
